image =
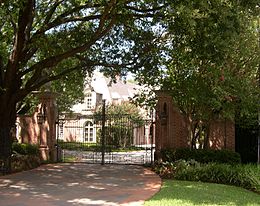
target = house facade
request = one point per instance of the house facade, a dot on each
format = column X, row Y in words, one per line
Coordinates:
column 81, row 125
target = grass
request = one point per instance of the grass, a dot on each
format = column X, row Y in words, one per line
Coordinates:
column 82, row 146
column 185, row 193
column 69, row 159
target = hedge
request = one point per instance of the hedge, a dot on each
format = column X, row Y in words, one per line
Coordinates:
column 246, row 176
column 201, row 155
column 25, row 149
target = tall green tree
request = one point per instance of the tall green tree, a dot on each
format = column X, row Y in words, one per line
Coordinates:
column 209, row 61
column 213, row 72
column 44, row 40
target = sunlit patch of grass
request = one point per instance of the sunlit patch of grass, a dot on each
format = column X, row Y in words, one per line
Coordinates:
column 204, row 194
column 69, row 159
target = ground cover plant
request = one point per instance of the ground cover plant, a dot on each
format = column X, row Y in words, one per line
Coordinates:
column 186, row 193
column 25, row 149
column 24, row 157
column 246, row 176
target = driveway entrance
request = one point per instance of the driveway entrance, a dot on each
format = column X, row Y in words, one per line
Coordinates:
column 106, row 139
column 79, row 184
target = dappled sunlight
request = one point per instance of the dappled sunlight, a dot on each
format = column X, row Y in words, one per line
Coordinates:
column 80, row 184
column 5, row 183
column 86, row 201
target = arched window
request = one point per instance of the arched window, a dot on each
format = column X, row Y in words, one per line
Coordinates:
column 88, row 131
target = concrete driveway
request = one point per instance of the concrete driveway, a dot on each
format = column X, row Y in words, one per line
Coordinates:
column 79, row 184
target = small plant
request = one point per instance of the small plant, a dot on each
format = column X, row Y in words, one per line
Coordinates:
column 246, row 176
column 25, row 149
column 237, row 175
column 169, row 170
column 165, row 169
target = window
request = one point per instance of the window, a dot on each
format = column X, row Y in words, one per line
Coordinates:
column 61, row 131
column 89, row 101
column 88, row 132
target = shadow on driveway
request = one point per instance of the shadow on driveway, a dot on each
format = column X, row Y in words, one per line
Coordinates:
column 79, row 184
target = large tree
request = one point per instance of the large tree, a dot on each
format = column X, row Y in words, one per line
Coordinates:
column 209, row 62
column 43, row 40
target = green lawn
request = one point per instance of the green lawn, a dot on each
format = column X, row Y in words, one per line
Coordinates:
column 186, row 193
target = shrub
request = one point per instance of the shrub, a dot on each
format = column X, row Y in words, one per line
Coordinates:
column 165, row 169
column 25, row 149
column 237, row 175
column 201, row 155
column 246, row 176
column 169, row 169
column 24, row 162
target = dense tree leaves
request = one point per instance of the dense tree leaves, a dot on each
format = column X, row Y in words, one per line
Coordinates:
column 209, row 60
column 210, row 44
column 42, row 41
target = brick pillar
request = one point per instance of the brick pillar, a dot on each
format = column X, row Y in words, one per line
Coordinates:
column 47, row 115
column 171, row 128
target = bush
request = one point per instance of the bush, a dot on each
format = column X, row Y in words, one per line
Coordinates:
column 169, row 169
column 24, row 162
column 239, row 175
column 246, row 176
column 201, row 155
column 25, row 149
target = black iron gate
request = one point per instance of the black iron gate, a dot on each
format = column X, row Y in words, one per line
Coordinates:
column 103, row 139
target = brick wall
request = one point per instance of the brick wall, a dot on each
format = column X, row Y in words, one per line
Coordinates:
column 171, row 128
column 222, row 135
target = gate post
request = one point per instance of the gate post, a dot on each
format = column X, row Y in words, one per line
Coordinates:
column 171, row 126
column 47, row 117
column 103, row 131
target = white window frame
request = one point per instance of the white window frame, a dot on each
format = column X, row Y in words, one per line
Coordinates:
column 88, row 131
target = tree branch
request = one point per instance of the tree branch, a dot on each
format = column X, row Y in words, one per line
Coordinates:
column 1, row 72
column 146, row 10
column 104, row 64
column 51, row 12
column 20, row 40
column 54, row 60
column 28, row 89
column 61, row 19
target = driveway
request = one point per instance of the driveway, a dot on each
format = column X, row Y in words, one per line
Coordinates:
column 79, row 184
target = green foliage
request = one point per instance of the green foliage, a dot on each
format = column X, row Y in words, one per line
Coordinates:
column 25, row 149
column 121, row 121
column 24, row 162
column 123, row 112
column 201, row 155
column 70, row 90
column 237, row 175
column 246, row 176
column 120, row 136
column 63, row 41
column 209, row 61
column 96, row 147
column 78, row 146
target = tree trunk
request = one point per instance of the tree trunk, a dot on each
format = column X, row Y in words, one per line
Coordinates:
column 190, row 130
column 206, row 138
column 7, row 127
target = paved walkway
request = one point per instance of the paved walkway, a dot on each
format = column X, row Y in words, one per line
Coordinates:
column 79, row 184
